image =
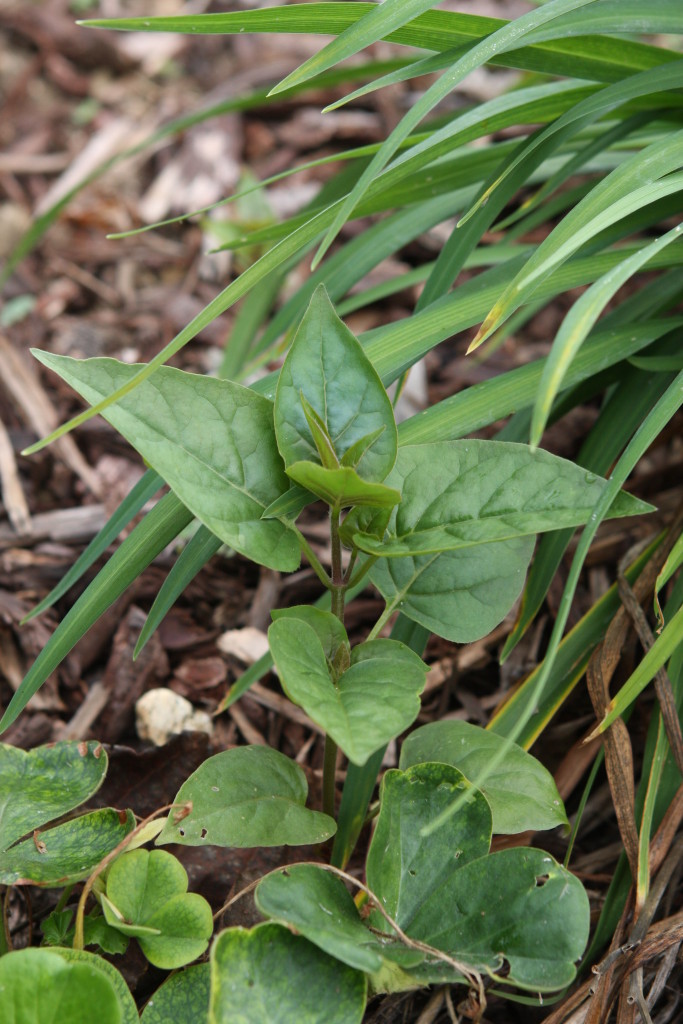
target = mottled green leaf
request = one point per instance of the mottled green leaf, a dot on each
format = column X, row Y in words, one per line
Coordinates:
column 460, row 595
column 461, row 493
column 521, row 792
column 370, row 703
column 67, row 853
column 39, row 785
column 327, row 365
column 211, row 440
column 248, row 796
column 342, row 487
column 148, row 890
column 39, row 987
column 269, row 976
column 402, row 867
column 182, row 999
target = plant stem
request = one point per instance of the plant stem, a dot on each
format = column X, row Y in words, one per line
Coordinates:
column 381, row 622
column 329, row 769
column 312, row 558
column 337, row 595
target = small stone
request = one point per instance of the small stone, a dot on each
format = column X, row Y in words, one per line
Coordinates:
column 247, row 645
column 161, row 713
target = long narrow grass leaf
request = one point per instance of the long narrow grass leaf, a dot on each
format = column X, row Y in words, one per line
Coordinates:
column 379, row 22
column 199, row 550
column 141, row 493
column 506, row 38
column 579, row 321
column 159, row 527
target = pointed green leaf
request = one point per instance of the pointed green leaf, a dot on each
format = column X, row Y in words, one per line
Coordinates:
column 328, row 366
column 460, row 595
column 320, row 436
column 39, row 987
column 402, row 867
column 129, row 1013
column 248, row 796
column 521, row 792
column 289, row 504
column 183, row 998
column 159, row 527
column 39, row 785
column 269, row 976
column 342, row 487
column 67, row 853
column 211, row 440
column 373, row 701
column 149, row 891
column 485, row 491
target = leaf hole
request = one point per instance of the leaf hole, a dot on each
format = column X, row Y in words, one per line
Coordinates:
column 181, row 831
column 412, row 873
column 202, row 834
column 540, row 880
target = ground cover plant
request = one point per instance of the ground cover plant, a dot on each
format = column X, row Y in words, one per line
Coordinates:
column 442, row 525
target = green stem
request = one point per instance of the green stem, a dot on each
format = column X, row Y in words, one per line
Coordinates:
column 329, row 769
column 381, row 622
column 337, row 596
column 312, row 558
column 362, row 570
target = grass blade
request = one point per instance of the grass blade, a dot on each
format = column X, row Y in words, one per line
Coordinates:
column 579, row 321
column 159, row 527
column 379, row 22
column 194, row 556
column 140, row 494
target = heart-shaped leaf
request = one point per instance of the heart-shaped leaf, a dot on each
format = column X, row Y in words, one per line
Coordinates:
column 182, row 999
column 269, row 976
column 211, row 440
column 461, row 493
column 67, row 853
column 342, row 487
column 42, row 784
column 129, row 1012
column 373, row 701
column 327, row 365
column 146, row 896
column 249, row 796
column 39, row 987
column 517, row 905
column 460, row 595
column 537, row 922
column 521, row 792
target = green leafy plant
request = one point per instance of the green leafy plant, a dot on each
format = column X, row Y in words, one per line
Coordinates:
column 597, row 164
column 236, row 458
